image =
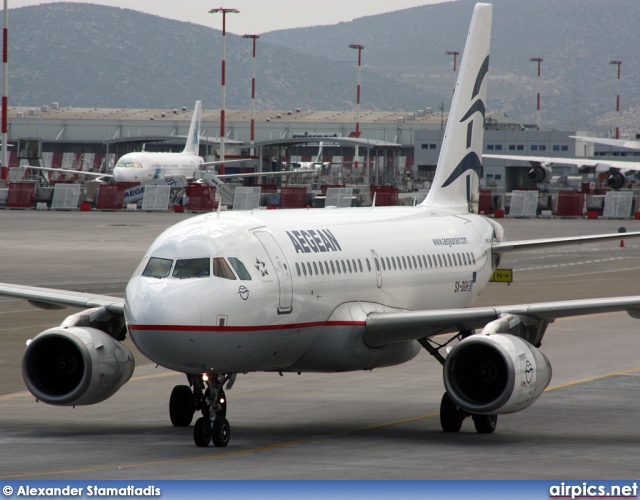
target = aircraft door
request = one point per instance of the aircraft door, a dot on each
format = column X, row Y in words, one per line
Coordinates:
column 283, row 272
column 376, row 266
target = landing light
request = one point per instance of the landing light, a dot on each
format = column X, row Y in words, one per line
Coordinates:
column 205, row 377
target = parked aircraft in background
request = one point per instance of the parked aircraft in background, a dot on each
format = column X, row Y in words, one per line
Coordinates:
column 311, row 166
column 321, row 291
column 144, row 167
column 540, row 173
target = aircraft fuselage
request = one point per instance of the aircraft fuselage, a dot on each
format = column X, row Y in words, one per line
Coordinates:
column 309, row 284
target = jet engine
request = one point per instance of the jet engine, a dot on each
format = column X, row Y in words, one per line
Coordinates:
column 492, row 374
column 540, row 173
column 69, row 366
column 617, row 180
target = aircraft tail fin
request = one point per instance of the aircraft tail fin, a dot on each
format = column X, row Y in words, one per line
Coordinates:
column 456, row 185
column 193, row 139
column 319, row 157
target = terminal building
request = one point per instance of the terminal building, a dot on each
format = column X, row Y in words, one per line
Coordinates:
column 396, row 148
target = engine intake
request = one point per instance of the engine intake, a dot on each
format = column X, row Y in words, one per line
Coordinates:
column 70, row 366
column 495, row 373
column 540, row 174
column 617, row 180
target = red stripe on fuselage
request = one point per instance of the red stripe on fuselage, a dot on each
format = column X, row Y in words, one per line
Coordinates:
column 199, row 328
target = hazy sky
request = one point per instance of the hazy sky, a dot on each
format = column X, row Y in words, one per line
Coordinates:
column 256, row 16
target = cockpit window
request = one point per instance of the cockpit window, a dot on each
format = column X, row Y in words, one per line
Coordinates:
column 241, row 271
column 222, row 270
column 157, row 268
column 129, row 164
column 192, row 268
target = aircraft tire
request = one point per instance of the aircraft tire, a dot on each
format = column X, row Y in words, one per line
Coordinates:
column 450, row 416
column 221, row 432
column 485, row 424
column 202, row 432
column 181, row 406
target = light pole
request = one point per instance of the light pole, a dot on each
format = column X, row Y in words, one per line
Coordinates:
column 224, row 44
column 4, row 165
column 618, row 63
column 359, row 48
column 455, row 55
column 538, row 60
column 253, row 93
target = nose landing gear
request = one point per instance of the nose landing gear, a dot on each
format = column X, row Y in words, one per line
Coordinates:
column 213, row 426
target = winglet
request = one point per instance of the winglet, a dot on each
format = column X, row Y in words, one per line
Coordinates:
column 193, row 139
column 456, row 185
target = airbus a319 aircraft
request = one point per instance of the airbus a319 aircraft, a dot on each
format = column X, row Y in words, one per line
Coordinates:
column 145, row 167
column 320, row 291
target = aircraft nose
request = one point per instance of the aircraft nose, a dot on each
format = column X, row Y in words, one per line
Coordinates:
column 164, row 319
column 162, row 302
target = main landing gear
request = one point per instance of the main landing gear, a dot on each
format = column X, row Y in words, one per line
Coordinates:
column 451, row 416
column 208, row 397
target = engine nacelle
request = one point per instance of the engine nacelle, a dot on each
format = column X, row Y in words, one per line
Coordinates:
column 493, row 374
column 540, row 174
column 617, row 180
column 69, row 366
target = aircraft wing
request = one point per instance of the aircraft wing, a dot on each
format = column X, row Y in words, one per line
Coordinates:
column 261, row 174
column 66, row 171
column 621, row 143
column 511, row 246
column 601, row 164
column 220, row 162
column 389, row 327
column 51, row 298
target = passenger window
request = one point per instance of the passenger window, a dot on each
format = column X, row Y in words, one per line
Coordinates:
column 414, row 261
column 355, row 267
column 344, row 268
column 239, row 268
column 449, row 259
column 409, row 261
column 377, row 265
column 157, row 268
column 304, row 269
column 221, row 269
column 384, row 268
column 338, row 266
column 333, row 269
column 298, row 269
column 429, row 257
column 464, row 258
column 309, row 267
column 439, row 261
column 404, row 263
column 368, row 264
column 360, row 265
column 326, row 267
column 321, row 268
column 393, row 261
column 315, row 269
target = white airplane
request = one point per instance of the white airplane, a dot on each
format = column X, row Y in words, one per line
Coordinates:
column 310, row 166
column 541, row 173
column 144, row 167
column 320, row 291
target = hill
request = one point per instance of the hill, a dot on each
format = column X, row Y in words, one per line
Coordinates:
column 90, row 55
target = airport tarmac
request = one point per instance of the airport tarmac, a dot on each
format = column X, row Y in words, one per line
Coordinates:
column 381, row 424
